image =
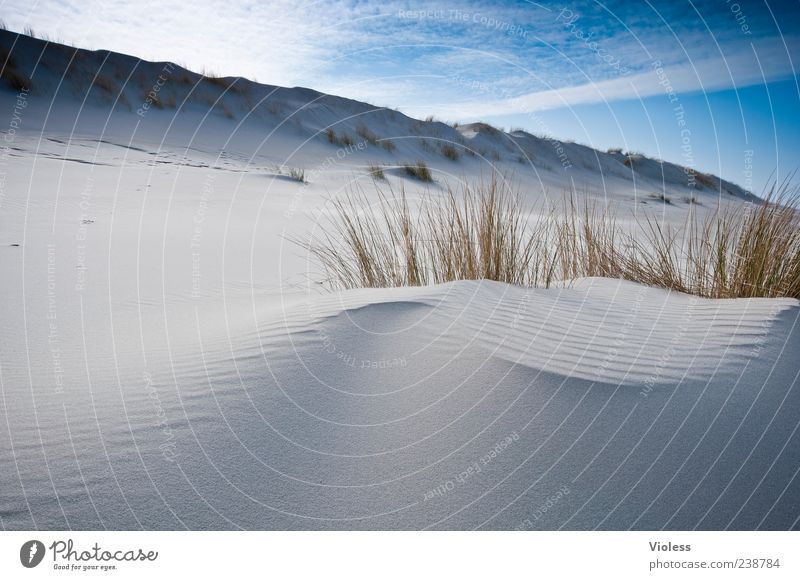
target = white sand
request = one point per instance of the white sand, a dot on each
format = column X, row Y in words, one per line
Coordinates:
column 168, row 360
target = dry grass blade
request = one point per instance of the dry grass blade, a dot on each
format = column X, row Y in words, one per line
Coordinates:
column 483, row 231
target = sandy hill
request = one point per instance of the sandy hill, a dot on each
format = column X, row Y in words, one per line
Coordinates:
column 85, row 92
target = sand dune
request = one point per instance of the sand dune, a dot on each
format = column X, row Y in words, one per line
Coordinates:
column 169, row 360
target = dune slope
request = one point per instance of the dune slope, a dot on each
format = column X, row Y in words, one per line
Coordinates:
column 168, row 359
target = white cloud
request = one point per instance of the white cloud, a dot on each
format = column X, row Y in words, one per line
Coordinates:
column 739, row 69
column 368, row 51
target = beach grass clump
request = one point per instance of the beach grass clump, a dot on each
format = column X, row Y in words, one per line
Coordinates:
column 366, row 134
column 16, row 80
column 485, row 231
column 450, row 152
column 736, row 252
column 10, row 74
column 464, row 235
column 376, row 171
column 659, row 196
column 297, row 174
column 418, row 170
column 342, row 140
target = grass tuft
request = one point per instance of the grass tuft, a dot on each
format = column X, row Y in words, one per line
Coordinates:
column 449, row 151
column 661, row 197
column 9, row 72
column 419, row 171
column 104, row 83
column 376, row 171
column 15, row 80
column 364, row 132
column 298, row 174
column 483, row 231
column 701, row 179
column 343, row 140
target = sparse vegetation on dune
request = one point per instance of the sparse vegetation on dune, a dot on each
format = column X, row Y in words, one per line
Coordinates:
column 418, row 170
column 661, row 197
column 298, row 174
column 221, row 105
column 700, row 179
column 225, row 83
column 376, row 171
column 10, row 74
column 485, row 232
column 469, row 234
column 426, row 146
column 15, row 80
column 104, row 83
column 747, row 251
column 365, row 133
column 449, row 151
column 184, row 78
column 342, row 140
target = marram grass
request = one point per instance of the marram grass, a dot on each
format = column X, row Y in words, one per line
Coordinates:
column 483, row 231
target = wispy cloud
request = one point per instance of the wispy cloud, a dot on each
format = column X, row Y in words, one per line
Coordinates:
column 471, row 57
column 749, row 65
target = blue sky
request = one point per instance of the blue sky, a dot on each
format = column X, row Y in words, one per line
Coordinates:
column 711, row 84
